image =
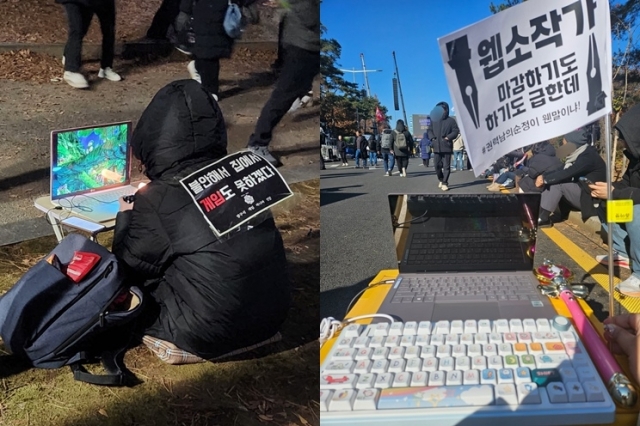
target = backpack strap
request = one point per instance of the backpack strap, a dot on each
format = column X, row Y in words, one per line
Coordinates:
column 113, row 363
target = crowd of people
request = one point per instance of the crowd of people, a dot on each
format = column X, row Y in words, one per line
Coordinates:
column 199, row 28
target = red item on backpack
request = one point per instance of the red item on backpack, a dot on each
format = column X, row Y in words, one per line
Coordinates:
column 81, row 264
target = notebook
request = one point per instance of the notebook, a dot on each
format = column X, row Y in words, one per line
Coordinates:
column 465, row 256
column 90, row 169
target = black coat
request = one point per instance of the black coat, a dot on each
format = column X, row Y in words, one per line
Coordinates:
column 541, row 162
column 211, row 296
column 212, row 40
column 443, row 127
column 588, row 164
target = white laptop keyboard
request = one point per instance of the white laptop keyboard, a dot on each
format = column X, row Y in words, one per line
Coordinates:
column 108, row 197
column 524, row 372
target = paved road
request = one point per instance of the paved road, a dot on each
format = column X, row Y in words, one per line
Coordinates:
column 357, row 237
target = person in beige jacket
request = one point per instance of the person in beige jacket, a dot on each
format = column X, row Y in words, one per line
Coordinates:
column 458, row 146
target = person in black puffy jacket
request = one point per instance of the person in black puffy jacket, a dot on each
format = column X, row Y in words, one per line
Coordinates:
column 543, row 160
column 209, row 296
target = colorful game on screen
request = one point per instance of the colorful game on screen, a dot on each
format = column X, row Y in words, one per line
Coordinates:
column 89, row 159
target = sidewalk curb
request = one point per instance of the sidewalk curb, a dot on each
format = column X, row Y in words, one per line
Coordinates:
column 91, row 51
column 592, row 225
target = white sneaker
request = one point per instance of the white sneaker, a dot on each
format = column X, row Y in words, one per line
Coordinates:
column 307, row 100
column 618, row 260
column 63, row 60
column 444, row 187
column 75, row 79
column 264, row 152
column 215, row 96
column 630, row 287
column 440, row 185
column 295, row 105
column 193, row 72
column 109, row 74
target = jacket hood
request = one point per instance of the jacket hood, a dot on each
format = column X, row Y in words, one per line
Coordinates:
column 424, row 136
column 400, row 127
column 629, row 126
column 387, row 131
column 183, row 125
column 440, row 112
column 546, row 149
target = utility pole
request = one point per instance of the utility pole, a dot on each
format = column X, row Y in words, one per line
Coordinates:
column 366, row 78
column 364, row 71
column 404, row 113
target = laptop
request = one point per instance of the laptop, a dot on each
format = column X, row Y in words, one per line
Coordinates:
column 91, row 169
column 465, row 256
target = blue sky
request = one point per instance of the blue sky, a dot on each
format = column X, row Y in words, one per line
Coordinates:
column 411, row 28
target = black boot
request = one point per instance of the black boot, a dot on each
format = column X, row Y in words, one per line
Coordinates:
column 544, row 220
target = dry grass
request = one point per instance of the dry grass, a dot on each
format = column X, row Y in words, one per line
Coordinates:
column 277, row 386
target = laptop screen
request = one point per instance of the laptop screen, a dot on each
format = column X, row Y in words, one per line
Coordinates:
column 464, row 232
column 89, row 159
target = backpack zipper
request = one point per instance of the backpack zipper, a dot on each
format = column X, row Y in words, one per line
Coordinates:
column 98, row 317
column 84, row 291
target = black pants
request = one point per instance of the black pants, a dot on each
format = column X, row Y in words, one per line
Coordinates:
column 343, row 156
column 299, row 68
column 425, row 162
column 442, row 162
column 165, row 17
column 209, row 70
column 79, row 18
column 402, row 163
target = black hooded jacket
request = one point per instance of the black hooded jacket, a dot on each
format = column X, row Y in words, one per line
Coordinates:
column 442, row 127
column 211, row 296
column 629, row 186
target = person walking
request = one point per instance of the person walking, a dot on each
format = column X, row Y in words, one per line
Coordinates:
column 386, row 148
column 442, row 132
column 425, row 149
column 361, row 150
column 402, row 147
column 79, row 16
column 301, row 63
column 342, row 149
column 373, row 152
column 458, row 147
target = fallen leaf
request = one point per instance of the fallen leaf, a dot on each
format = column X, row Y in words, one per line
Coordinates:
column 303, row 420
column 265, row 417
column 103, row 412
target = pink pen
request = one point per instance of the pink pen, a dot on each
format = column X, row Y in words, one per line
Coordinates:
column 619, row 386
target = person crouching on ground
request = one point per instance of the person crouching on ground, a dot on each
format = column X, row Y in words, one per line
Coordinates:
column 625, row 236
column 211, row 296
column 79, row 15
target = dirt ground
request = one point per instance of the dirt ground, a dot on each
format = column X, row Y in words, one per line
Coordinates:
column 278, row 386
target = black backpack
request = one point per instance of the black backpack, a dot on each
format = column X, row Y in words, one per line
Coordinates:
column 52, row 321
column 386, row 140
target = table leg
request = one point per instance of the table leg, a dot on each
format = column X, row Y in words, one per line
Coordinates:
column 56, row 225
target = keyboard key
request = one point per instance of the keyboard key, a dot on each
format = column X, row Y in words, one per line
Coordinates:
column 489, row 349
column 443, row 350
column 333, row 381
column 397, row 365
column 553, row 348
column 419, row 379
column 384, row 381
column 545, row 336
column 471, row 377
column 484, row 326
column 367, row 399
column 339, row 367
column 421, row 397
column 410, row 328
column 506, row 394
column 363, row 366
column 523, row 375
column 325, row 396
column 567, row 336
column 422, row 340
column 342, row 400
column 407, row 340
column 437, row 378
column 488, row 376
column 362, row 353
column 505, row 375
column 413, row 364
column 463, row 363
column 401, row 380
column 466, row 339
column 452, row 339
column 542, row 324
column 594, row 391
column 396, row 329
column 377, row 341
column 528, row 393
column 366, row 381
column 501, row 326
column 495, row 361
column 557, row 393
column 345, row 342
column 552, row 360
column 510, row 338
column 396, row 353
column 471, row 326
column 428, row 351
column 474, row 350
column 586, row 374
column 346, row 354
column 535, row 348
column 520, row 349
column 529, row 325
column 525, row 337
column 424, row 328
column 528, row 361
column 381, row 329
column 442, row 327
column 437, row 339
column 515, row 326
column 505, row 349
column 459, row 350
column 412, row 352
column 352, row 330
column 361, row 342
column 454, row 378
column 575, row 392
column 495, row 337
column 457, row 327
column 380, row 366
column 447, row 363
column 568, row 374
column 479, row 362
column 430, row 364
column 544, row 376
column 481, row 338
column 392, row 341
column 511, row 361
column 380, row 353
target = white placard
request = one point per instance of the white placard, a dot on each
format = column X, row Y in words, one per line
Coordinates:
column 530, row 73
